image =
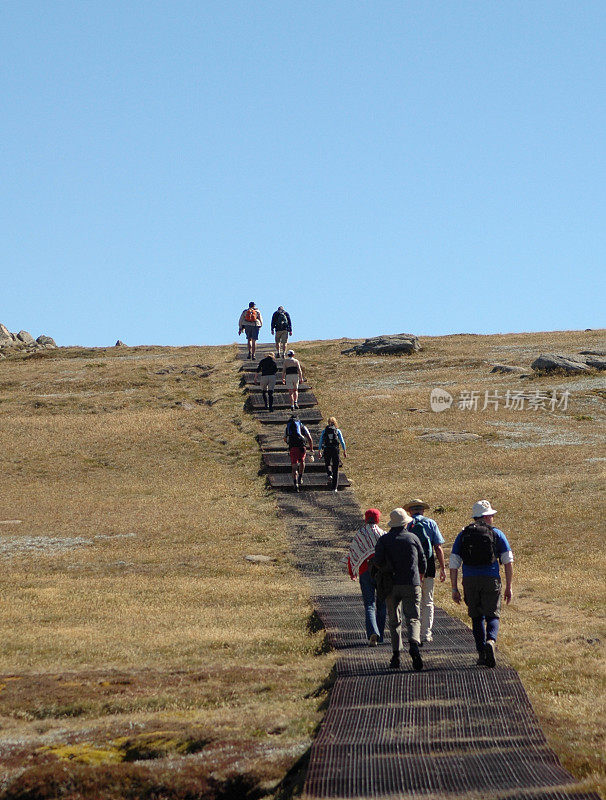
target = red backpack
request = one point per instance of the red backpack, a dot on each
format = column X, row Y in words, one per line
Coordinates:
column 251, row 315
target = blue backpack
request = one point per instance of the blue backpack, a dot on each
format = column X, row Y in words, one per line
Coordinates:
column 420, row 531
column 293, row 433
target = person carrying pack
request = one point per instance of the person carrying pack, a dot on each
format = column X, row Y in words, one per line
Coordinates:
column 360, row 562
column 267, row 369
column 331, row 439
column 297, row 437
column 428, row 533
column 480, row 548
column 250, row 322
column 282, row 327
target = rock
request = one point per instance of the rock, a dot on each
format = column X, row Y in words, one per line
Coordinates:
column 386, row 345
column 596, row 363
column 449, row 436
column 46, row 340
column 593, row 352
column 6, row 337
column 506, row 368
column 259, row 559
column 550, row 362
column 120, row 343
column 26, row 337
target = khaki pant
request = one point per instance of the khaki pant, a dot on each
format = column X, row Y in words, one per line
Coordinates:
column 281, row 339
column 407, row 600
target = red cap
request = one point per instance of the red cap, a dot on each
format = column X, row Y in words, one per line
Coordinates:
column 372, row 515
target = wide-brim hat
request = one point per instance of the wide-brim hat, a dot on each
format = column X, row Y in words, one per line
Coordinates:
column 416, row 503
column 398, row 518
column 290, row 353
column 482, row 509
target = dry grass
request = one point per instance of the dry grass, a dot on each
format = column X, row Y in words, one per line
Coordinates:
column 550, row 498
column 128, row 608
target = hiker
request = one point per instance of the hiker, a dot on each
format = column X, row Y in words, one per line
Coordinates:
column 361, row 550
column 250, row 322
column 292, row 375
column 479, row 548
column 432, row 540
column 282, row 327
column 297, row 437
column 268, row 370
column 331, row 439
column 400, row 553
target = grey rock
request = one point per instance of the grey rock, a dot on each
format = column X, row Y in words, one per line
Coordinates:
column 26, row 337
column 46, row 340
column 386, row 345
column 259, row 559
column 7, row 339
column 506, row 368
column 449, row 436
column 550, row 362
column 595, row 362
column 593, row 352
column 120, row 343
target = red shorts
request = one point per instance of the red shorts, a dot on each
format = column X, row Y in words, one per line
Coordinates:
column 297, row 455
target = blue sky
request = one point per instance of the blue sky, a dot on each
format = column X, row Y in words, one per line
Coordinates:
column 375, row 167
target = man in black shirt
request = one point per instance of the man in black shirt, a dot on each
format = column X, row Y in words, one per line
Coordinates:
column 267, row 369
column 401, row 553
column 282, row 327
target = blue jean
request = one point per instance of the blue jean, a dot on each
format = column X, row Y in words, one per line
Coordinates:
column 375, row 610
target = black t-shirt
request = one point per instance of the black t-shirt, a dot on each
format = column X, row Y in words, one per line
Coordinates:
column 267, row 366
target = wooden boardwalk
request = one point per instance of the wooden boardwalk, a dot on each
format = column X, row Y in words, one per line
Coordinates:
column 453, row 731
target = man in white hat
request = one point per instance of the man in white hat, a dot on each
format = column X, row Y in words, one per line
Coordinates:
column 402, row 554
column 432, row 540
column 480, row 549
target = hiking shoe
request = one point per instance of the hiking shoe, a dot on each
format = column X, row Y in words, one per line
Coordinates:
column 373, row 640
column 481, row 662
column 296, row 405
column 428, row 637
column 296, row 486
column 336, row 491
column 395, row 661
column 489, row 656
column 417, row 661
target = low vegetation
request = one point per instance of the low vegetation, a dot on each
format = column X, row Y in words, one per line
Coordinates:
column 143, row 656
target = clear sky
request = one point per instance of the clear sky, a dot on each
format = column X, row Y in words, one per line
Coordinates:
column 375, row 167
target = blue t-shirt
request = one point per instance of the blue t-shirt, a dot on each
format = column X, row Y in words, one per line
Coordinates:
column 431, row 528
column 503, row 551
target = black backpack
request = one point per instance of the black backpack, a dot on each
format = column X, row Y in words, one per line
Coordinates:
column 419, row 530
column 281, row 321
column 478, row 545
column 330, row 437
column 293, row 434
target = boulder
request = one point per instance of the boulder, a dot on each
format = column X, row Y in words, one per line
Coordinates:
column 47, row 341
column 593, row 352
column 254, row 559
column 551, row 362
column 26, row 337
column 386, row 345
column 120, row 343
column 6, row 337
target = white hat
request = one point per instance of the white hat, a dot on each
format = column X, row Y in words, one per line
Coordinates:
column 290, row 353
column 399, row 518
column 482, row 509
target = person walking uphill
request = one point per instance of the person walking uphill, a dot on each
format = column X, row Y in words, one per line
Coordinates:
column 268, row 370
column 282, row 327
column 331, row 439
column 297, row 437
column 431, row 540
column 250, row 322
column 401, row 553
column 361, row 550
column 292, row 375
column 479, row 548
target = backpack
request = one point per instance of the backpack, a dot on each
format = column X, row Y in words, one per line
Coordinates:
column 293, row 434
column 478, row 545
column 281, row 321
column 420, row 531
column 330, row 437
column 251, row 315
column 383, row 578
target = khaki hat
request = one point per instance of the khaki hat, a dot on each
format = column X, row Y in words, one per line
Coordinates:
column 482, row 509
column 416, row 502
column 399, row 518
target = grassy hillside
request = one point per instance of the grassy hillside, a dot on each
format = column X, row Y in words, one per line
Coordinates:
column 543, row 471
column 133, row 627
